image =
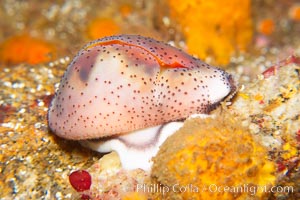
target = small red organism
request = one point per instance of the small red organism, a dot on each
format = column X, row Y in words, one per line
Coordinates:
column 80, row 180
column 293, row 59
column 84, row 196
column 271, row 71
column 6, row 110
column 46, row 99
column 281, row 166
column 298, row 136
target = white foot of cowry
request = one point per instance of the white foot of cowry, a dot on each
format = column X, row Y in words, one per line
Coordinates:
column 137, row 148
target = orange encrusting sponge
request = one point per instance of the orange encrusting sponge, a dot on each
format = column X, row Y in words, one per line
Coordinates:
column 266, row 26
column 25, row 49
column 101, row 27
column 294, row 12
column 214, row 28
column 213, row 159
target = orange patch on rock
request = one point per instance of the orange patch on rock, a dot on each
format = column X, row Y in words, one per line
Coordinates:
column 25, row 49
column 102, row 27
column 266, row 26
column 125, row 10
column 294, row 12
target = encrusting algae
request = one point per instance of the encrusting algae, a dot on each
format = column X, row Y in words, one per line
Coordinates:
column 212, row 159
column 214, row 28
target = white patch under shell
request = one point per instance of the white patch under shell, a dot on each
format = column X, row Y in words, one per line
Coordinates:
column 137, row 148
